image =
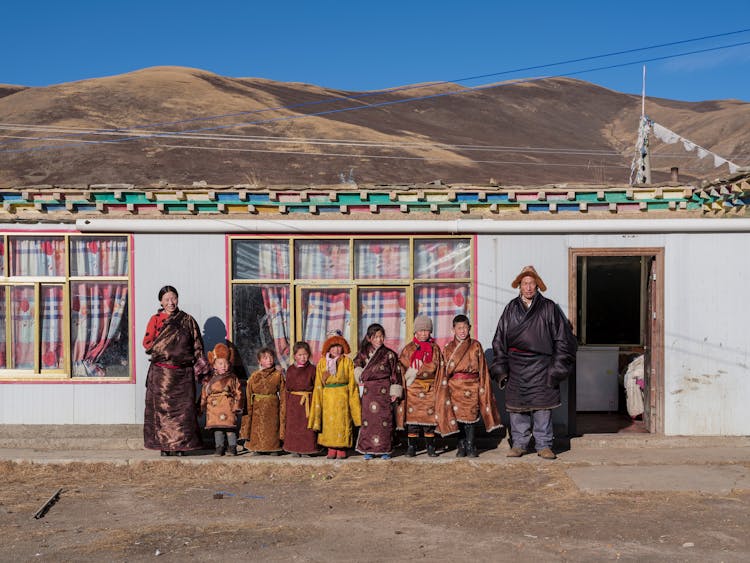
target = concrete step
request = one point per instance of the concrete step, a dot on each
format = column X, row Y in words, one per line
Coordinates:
column 72, row 436
column 645, row 440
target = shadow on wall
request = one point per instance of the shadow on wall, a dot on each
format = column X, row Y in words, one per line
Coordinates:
column 215, row 332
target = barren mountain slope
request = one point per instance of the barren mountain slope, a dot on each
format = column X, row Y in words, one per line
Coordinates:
column 552, row 130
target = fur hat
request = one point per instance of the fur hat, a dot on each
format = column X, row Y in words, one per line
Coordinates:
column 529, row 271
column 336, row 340
column 423, row 322
column 221, row 351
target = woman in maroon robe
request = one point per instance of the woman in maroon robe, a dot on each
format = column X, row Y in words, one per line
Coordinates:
column 379, row 375
column 173, row 340
column 300, row 380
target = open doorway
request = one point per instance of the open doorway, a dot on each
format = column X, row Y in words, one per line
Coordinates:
column 616, row 308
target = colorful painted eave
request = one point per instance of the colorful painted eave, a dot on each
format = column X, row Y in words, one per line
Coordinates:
column 121, row 200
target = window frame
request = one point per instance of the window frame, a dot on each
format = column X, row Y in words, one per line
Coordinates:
column 410, row 284
column 64, row 374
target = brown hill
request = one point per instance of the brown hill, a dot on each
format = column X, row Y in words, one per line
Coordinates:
column 552, row 130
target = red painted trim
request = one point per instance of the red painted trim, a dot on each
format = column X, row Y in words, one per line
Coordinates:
column 475, row 283
column 65, row 381
column 131, row 287
column 133, row 342
column 227, row 277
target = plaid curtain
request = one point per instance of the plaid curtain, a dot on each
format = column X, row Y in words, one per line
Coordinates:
column 276, row 303
column 442, row 259
column 322, row 260
column 266, row 259
column 382, row 260
column 22, row 325
column 442, row 302
column 386, row 307
column 322, row 311
column 52, row 327
column 37, row 256
column 97, row 311
column 99, row 256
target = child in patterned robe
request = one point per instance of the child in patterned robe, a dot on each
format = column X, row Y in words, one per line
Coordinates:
column 221, row 400
column 263, row 425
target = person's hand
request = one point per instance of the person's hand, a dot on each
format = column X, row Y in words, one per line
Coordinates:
column 394, row 398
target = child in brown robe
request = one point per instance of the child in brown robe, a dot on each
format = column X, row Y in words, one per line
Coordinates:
column 263, row 425
column 221, row 400
column 300, row 380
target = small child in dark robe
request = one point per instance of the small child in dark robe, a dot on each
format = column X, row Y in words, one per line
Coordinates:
column 300, row 380
column 221, row 400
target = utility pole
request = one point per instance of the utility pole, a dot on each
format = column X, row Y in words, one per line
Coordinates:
column 646, row 162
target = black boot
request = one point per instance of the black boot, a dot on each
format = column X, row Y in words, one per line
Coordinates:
column 411, row 448
column 461, row 449
column 219, row 450
column 232, row 450
column 471, row 448
column 430, row 440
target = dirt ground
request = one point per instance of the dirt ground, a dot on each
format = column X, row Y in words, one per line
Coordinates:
column 354, row 511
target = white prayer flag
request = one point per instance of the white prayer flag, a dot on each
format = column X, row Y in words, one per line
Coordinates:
column 688, row 145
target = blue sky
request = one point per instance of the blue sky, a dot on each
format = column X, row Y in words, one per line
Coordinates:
column 362, row 46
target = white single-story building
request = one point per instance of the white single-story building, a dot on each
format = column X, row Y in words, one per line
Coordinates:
column 659, row 270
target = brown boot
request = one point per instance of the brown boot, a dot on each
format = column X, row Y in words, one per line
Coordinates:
column 515, row 452
column 546, row 453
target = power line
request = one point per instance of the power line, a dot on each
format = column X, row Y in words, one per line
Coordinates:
column 264, row 139
column 372, row 106
column 431, row 84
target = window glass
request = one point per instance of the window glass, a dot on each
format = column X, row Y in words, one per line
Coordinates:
column 386, row 307
column 323, row 260
column 442, row 302
column 37, row 256
column 98, row 256
column 23, row 305
column 323, row 311
column 381, row 259
column 260, row 259
column 260, row 318
column 99, row 330
column 51, row 327
column 442, row 258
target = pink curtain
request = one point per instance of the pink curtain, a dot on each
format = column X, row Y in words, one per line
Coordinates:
column 52, row 327
column 442, row 259
column 97, row 312
column 276, row 303
column 322, row 260
column 103, row 256
column 442, row 302
column 323, row 311
column 22, row 326
column 37, row 256
column 378, row 259
column 386, row 307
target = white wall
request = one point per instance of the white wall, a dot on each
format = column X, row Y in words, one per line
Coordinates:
column 707, row 368
column 706, row 315
column 707, row 336
column 195, row 265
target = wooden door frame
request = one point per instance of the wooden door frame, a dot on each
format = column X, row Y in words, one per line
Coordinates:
column 656, row 400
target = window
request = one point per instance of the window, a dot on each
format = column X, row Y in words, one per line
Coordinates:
column 301, row 288
column 611, row 299
column 64, row 306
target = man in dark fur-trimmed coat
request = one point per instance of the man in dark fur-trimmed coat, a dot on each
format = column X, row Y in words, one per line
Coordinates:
column 535, row 350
